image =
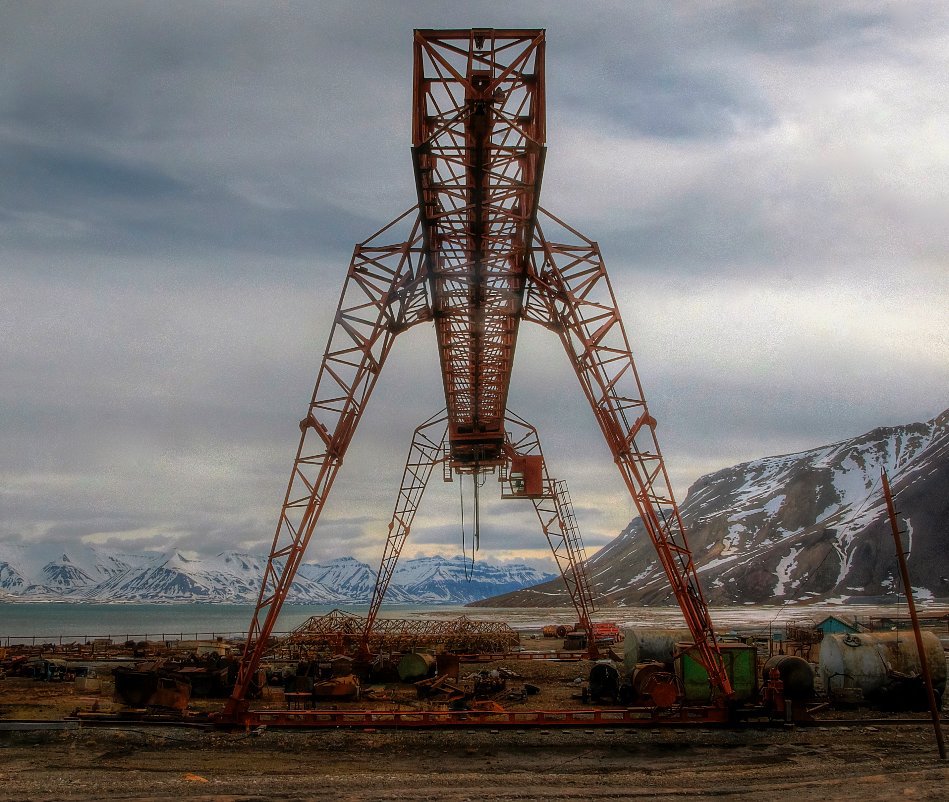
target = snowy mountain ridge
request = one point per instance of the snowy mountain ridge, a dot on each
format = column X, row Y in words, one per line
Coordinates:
column 71, row 572
column 810, row 526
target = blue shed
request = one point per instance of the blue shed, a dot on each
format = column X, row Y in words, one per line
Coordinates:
column 833, row 625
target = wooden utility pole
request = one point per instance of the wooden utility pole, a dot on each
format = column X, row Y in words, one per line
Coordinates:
column 904, row 573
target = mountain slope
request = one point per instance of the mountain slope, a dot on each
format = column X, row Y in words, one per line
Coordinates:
column 806, row 526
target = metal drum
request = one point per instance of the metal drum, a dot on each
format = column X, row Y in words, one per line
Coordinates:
column 796, row 674
column 644, row 645
column 416, row 665
column 604, row 681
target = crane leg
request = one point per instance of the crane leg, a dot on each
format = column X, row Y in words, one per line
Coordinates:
column 555, row 512
column 570, row 293
column 424, row 454
column 384, row 294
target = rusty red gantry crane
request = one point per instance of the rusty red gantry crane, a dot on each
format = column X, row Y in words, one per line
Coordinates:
column 476, row 256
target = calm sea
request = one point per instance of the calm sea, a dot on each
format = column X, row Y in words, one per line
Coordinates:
column 26, row 622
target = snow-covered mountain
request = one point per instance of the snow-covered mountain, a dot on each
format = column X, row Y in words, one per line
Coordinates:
column 69, row 572
column 806, row 526
column 440, row 580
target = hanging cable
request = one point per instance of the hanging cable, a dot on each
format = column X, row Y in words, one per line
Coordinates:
column 477, row 513
column 464, row 550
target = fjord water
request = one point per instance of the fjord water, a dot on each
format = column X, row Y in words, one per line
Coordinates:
column 78, row 622
column 41, row 622
column 71, row 622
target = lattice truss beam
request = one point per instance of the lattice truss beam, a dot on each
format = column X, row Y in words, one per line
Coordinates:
column 385, row 292
column 429, row 443
column 554, row 509
column 570, row 293
column 478, row 133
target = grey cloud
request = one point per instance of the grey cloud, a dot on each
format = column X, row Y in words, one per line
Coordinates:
column 111, row 205
column 181, row 185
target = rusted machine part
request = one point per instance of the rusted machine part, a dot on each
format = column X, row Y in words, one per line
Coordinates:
column 345, row 687
column 447, row 665
column 653, row 681
column 797, row 676
column 150, row 688
column 557, row 630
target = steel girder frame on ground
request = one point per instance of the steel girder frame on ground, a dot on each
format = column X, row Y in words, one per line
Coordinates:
column 342, row 633
column 476, row 263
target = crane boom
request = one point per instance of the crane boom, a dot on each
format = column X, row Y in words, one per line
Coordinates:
column 478, row 143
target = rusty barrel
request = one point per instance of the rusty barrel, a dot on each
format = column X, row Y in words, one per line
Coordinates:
column 796, row 674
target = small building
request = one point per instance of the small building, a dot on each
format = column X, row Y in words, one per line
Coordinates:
column 832, row 625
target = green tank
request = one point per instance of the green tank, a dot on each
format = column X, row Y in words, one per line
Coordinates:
column 741, row 665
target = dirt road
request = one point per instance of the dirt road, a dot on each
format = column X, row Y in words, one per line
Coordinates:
column 859, row 763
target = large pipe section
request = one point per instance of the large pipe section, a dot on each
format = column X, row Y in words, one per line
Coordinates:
column 884, row 667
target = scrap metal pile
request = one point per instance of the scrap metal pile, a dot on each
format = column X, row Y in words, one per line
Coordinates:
column 339, row 632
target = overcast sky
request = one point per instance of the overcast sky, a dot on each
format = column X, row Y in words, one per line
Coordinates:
column 182, row 184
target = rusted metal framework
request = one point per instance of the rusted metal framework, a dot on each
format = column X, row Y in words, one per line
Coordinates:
column 477, row 256
column 343, row 633
column 550, row 498
column 478, row 130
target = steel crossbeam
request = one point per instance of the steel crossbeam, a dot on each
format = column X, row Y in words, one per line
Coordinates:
column 478, row 132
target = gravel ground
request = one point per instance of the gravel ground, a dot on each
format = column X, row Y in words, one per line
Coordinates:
column 854, row 763
column 865, row 762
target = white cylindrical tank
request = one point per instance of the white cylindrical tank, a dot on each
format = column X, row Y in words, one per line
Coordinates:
column 879, row 663
column 645, row 644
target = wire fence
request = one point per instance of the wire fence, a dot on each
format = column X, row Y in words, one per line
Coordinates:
column 114, row 639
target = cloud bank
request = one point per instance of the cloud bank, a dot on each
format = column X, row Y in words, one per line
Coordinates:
column 181, row 185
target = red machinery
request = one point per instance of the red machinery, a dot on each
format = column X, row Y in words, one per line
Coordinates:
column 476, row 256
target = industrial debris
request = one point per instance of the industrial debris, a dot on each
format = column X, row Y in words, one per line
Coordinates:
column 343, row 633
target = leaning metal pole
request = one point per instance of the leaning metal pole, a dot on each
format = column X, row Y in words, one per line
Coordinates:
column 904, row 573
